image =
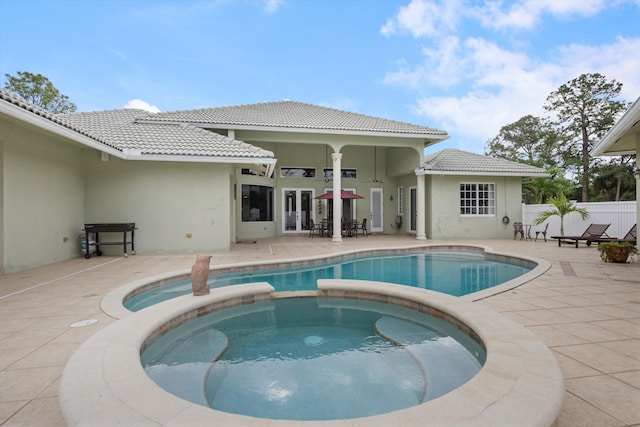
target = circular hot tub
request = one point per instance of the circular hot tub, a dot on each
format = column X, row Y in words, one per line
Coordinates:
column 520, row 382
column 313, row 358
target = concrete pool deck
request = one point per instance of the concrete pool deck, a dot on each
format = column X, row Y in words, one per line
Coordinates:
column 586, row 311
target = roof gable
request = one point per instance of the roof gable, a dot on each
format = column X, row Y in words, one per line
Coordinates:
column 457, row 162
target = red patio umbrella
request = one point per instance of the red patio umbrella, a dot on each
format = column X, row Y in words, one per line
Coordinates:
column 343, row 195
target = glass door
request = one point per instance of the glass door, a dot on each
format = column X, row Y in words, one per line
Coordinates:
column 297, row 209
column 413, row 209
column 377, row 220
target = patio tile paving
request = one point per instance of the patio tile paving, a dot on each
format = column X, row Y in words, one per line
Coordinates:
column 571, row 368
column 577, row 412
column 601, row 358
column 553, row 336
column 632, row 378
column 627, row 327
column 591, row 321
column 589, row 332
column 615, row 398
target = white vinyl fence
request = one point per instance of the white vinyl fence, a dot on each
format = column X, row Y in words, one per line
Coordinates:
column 621, row 216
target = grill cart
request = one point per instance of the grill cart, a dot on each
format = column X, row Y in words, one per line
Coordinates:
column 92, row 237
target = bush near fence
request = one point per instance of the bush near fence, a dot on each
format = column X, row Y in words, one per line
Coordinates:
column 621, row 215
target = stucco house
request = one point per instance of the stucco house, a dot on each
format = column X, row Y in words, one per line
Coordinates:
column 201, row 180
column 623, row 138
column 473, row 196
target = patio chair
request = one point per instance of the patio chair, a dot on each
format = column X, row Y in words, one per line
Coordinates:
column 591, row 234
column 315, row 229
column 518, row 229
column 327, row 227
column 542, row 232
column 631, row 237
column 350, row 228
column 363, row 227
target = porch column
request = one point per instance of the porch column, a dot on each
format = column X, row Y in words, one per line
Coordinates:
column 337, row 200
column 420, row 214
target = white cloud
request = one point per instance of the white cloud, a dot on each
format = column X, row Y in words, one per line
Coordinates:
column 525, row 14
column 139, row 104
column 492, row 15
column 443, row 66
column 117, row 53
column 478, row 85
column 425, row 18
column 508, row 85
column 611, row 60
column 271, row 6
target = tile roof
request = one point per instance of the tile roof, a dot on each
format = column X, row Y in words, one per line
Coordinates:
column 18, row 101
column 457, row 162
column 181, row 133
column 296, row 115
column 119, row 130
column 123, row 129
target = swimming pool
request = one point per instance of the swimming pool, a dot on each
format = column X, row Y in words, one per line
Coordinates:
column 313, row 359
column 453, row 272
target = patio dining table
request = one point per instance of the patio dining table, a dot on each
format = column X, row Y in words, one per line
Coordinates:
column 349, row 228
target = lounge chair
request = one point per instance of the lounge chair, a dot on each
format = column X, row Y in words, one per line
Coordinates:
column 631, row 237
column 591, row 234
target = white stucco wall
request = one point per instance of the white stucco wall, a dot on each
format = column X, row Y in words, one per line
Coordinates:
column 443, row 206
column 43, row 197
column 166, row 200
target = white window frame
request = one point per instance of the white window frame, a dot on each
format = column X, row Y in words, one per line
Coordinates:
column 290, row 172
column 477, row 199
column 401, row 201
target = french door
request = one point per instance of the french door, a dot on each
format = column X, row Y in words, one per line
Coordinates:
column 297, row 209
column 377, row 217
column 413, row 209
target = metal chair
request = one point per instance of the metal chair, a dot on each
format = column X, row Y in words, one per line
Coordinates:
column 542, row 232
column 518, row 228
column 363, row 227
column 315, row 229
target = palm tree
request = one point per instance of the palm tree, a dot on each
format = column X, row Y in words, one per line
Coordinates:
column 561, row 207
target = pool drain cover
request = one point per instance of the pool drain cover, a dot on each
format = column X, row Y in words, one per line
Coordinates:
column 313, row 340
column 82, row 323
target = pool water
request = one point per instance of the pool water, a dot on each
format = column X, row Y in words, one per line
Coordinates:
column 454, row 273
column 313, row 359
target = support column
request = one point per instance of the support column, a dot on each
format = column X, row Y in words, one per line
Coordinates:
column 337, row 200
column 420, row 214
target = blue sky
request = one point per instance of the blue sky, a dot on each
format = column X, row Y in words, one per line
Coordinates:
column 466, row 67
